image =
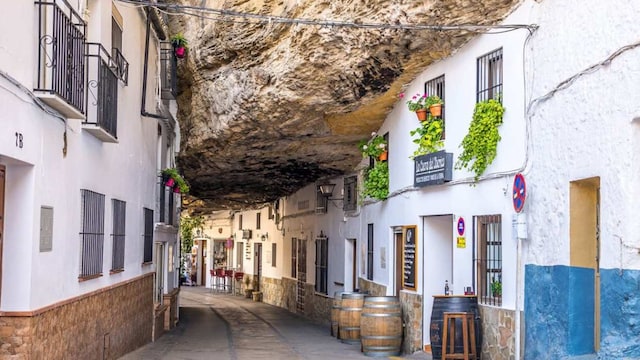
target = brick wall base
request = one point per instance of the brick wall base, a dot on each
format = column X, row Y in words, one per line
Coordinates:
column 171, row 315
column 104, row 324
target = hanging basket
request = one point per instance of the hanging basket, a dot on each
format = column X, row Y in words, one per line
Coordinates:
column 180, row 52
column 170, row 182
column 436, row 110
column 422, row 114
column 176, row 189
column 383, row 156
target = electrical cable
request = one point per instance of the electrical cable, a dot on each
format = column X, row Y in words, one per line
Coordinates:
column 35, row 100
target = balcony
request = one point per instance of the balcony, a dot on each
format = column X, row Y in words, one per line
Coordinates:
column 166, row 205
column 168, row 71
column 60, row 78
column 103, row 73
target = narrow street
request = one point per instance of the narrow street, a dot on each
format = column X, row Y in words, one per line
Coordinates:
column 221, row 326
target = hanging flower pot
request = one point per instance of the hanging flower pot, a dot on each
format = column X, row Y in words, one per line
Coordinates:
column 422, row 114
column 180, row 52
column 170, row 182
column 383, row 156
column 176, row 189
column 436, row 110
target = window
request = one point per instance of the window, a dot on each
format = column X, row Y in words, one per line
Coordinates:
column 294, row 257
column 239, row 254
column 370, row 251
column 350, row 201
column 273, row 255
column 321, row 201
column 120, row 66
column 118, row 233
column 436, row 87
column 257, row 221
column 489, row 259
column 321, row 264
column 91, row 234
column 240, row 222
column 148, row 236
column 489, row 72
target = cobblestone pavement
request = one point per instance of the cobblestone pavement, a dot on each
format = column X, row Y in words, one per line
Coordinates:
column 221, row 326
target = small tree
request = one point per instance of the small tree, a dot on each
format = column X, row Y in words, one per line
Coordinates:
column 187, row 226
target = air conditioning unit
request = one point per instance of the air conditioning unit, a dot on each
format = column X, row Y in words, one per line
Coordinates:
column 246, row 234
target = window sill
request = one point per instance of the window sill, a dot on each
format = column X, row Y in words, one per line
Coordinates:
column 323, row 295
column 147, row 263
column 117, row 271
column 89, row 277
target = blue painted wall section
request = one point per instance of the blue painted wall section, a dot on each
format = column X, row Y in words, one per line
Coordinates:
column 559, row 303
column 620, row 314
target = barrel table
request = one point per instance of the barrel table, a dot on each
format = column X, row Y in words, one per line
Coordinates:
column 349, row 321
column 381, row 326
column 335, row 313
column 452, row 303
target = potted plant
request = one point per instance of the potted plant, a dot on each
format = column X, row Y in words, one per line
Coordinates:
column 375, row 147
column 429, row 137
column 179, row 43
column 496, row 288
column 247, row 282
column 172, row 178
column 417, row 105
column 479, row 146
column 434, row 104
column 376, row 182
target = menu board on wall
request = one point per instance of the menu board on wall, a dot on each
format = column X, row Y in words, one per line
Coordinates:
column 409, row 258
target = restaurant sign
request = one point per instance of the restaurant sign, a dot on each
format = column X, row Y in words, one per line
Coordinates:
column 433, row 169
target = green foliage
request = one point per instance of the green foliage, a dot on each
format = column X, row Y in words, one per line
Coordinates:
column 429, row 136
column 373, row 147
column 173, row 173
column 376, row 182
column 496, row 288
column 187, row 226
column 178, row 40
column 481, row 142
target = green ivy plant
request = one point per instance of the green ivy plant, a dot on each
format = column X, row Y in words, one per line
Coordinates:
column 175, row 175
column 429, row 137
column 481, row 142
column 376, row 182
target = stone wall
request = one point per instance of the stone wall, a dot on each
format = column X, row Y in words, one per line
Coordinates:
column 373, row 288
column 317, row 307
column 412, row 317
column 171, row 316
column 498, row 340
column 158, row 320
column 104, row 324
column 283, row 293
column 272, row 290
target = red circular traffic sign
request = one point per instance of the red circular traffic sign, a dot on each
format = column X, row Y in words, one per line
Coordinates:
column 460, row 226
column 519, row 192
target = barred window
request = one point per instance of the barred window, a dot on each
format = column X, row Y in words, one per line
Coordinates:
column 148, row 236
column 240, row 222
column 350, row 201
column 489, row 72
column 294, row 257
column 321, row 264
column 273, row 255
column 321, row 201
column 488, row 234
column 91, row 234
column 118, row 234
column 436, row 87
column 370, row 251
column 258, row 221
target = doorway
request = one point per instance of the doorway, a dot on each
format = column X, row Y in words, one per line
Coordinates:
column 584, row 233
column 159, row 272
column 257, row 264
column 350, row 273
column 398, row 268
column 302, row 274
column 2, row 181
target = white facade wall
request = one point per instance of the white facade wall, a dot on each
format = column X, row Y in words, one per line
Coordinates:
column 40, row 174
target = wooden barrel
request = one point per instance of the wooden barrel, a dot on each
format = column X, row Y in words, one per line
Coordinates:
column 349, row 321
column 335, row 313
column 381, row 326
column 455, row 303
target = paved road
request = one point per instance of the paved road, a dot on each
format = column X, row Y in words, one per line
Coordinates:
column 220, row 326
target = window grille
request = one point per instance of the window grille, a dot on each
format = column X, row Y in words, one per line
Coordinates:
column 240, row 222
column 321, row 201
column 273, row 255
column 91, row 233
column 294, row 257
column 257, row 221
column 148, row 236
column 118, row 234
column 489, row 72
column 350, row 201
column 321, row 264
column 436, row 87
column 488, row 233
column 370, row 251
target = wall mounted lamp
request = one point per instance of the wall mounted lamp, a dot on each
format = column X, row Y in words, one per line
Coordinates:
column 326, row 189
column 264, row 237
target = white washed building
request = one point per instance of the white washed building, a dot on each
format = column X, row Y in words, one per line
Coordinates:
column 79, row 186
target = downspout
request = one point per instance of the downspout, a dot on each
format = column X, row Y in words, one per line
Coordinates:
column 145, row 71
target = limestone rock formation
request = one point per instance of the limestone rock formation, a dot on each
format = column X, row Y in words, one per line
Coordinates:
column 266, row 108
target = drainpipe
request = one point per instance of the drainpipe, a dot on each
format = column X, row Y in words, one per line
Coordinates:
column 143, row 110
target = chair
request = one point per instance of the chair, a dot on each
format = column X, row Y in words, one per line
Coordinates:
column 468, row 336
column 228, row 281
column 237, row 283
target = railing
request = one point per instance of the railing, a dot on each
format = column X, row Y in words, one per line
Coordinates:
column 168, row 71
column 102, row 94
column 92, row 233
column 122, row 66
column 61, row 50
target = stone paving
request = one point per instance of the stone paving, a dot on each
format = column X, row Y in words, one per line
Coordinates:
column 222, row 326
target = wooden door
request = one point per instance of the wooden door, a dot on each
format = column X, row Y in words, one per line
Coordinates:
column 2, row 177
column 302, row 274
column 398, row 264
column 257, row 263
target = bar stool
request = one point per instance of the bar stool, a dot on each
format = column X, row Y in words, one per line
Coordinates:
column 237, row 283
column 212, row 275
column 468, row 336
column 219, row 274
column 228, row 276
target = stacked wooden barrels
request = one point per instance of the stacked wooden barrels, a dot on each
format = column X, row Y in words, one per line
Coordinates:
column 373, row 321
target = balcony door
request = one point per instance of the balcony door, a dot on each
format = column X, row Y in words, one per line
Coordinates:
column 2, row 173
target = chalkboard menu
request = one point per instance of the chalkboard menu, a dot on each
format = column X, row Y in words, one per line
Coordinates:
column 409, row 258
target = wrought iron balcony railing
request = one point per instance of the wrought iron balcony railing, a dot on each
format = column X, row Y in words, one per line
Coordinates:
column 166, row 204
column 122, row 66
column 60, row 79
column 168, row 71
column 102, row 94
